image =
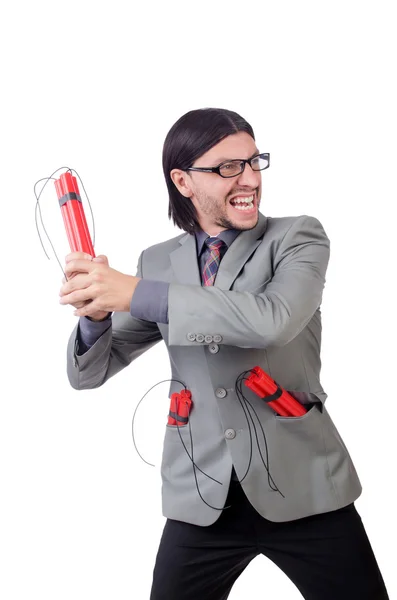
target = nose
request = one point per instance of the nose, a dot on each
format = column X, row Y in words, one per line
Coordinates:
column 249, row 177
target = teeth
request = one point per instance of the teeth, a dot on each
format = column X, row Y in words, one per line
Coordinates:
column 242, row 200
column 249, row 201
column 249, row 207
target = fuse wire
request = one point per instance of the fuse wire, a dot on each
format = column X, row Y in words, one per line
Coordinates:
column 38, row 211
column 246, row 406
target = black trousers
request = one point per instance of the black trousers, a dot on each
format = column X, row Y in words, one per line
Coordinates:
column 327, row 556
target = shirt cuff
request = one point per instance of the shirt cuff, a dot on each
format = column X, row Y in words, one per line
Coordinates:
column 150, row 301
column 89, row 332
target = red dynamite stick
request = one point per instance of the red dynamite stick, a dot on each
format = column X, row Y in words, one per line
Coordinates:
column 263, row 385
column 73, row 214
column 173, row 411
column 185, row 404
column 180, row 406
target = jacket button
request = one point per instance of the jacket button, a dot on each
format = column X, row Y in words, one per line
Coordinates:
column 217, row 338
column 208, row 339
column 191, row 337
column 220, row 392
column 199, row 337
column 214, row 348
column 230, row 434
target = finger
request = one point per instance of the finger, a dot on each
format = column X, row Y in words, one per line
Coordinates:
column 90, row 308
column 79, row 266
column 101, row 258
column 78, row 256
column 78, row 305
column 79, row 282
column 77, row 296
column 70, row 276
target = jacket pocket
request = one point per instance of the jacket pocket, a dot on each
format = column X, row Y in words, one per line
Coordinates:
column 300, row 457
column 176, row 427
column 177, row 452
column 300, row 439
column 308, row 400
column 174, row 433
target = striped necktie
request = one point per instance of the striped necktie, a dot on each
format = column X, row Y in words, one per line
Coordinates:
column 212, row 263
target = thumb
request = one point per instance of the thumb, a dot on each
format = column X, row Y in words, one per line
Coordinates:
column 101, row 259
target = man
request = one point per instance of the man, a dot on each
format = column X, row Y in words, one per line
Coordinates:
column 235, row 291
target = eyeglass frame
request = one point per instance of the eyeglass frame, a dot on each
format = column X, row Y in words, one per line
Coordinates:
column 242, row 160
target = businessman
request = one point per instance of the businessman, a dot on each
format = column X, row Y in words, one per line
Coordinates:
column 235, row 290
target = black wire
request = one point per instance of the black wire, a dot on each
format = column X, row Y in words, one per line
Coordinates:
column 269, row 477
column 38, row 210
column 197, row 485
column 243, row 402
column 249, row 415
column 135, row 411
column 266, row 464
column 186, row 450
column 239, row 381
column 239, row 392
column 41, row 217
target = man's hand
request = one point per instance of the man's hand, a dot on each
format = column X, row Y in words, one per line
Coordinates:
column 98, row 316
column 94, row 288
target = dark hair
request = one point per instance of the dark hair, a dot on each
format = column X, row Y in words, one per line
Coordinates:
column 190, row 137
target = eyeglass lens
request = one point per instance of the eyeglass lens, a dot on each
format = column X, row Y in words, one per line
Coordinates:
column 234, row 167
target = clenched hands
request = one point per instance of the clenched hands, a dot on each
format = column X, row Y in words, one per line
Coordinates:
column 94, row 288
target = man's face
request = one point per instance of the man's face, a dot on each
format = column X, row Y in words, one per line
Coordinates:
column 214, row 197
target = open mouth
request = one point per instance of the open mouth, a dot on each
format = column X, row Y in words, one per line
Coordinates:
column 244, row 204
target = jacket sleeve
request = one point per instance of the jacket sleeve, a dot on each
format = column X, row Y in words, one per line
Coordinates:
column 123, row 342
column 271, row 318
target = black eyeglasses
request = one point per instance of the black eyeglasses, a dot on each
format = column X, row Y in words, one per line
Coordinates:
column 232, row 168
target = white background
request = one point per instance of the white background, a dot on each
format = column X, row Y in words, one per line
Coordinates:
column 96, row 87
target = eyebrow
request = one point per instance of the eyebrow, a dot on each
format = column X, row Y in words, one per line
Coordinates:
column 224, row 159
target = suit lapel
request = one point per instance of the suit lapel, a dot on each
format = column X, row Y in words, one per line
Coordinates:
column 185, row 263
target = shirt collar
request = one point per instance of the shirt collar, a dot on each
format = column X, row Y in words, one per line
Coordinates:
column 227, row 236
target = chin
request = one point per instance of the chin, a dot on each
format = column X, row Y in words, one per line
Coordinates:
column 242, row 216
column 244, row 224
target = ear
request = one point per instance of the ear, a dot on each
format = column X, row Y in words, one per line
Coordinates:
column 182, row 182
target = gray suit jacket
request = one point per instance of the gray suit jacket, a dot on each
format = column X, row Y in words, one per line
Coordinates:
column 264, row 310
